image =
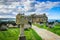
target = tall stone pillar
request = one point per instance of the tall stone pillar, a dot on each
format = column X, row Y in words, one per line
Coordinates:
column 22, row 30
column 20, row 20
column 22, row 36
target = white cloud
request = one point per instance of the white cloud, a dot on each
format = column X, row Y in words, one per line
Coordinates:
column 8, row 16
column 3, row 10
column 46, row 5
column 26, row 5
column 53, row 17
column 1, row 0
column 14, row 13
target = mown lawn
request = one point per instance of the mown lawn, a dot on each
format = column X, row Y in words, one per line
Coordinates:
column 55, row 29
column 10, row 34
column 32, row 35
column 37, row 37
column 13, row 34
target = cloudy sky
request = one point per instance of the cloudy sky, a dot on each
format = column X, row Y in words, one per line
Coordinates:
column 10, row 8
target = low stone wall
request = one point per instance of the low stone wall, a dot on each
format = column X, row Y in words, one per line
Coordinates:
column 25, row 26
column 10, row 25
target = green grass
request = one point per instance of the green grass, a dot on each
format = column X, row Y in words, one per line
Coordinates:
column 10, row 34
column 55, row 29
column 13, row 34
column 28, row 34
column 37, row 37
column 32, row 35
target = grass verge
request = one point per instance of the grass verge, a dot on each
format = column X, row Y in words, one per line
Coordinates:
column 55, row 29
column 10, row 34
column 32, row 35
column 13, row 34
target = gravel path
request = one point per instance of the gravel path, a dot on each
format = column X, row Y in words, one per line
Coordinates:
column 45, row 34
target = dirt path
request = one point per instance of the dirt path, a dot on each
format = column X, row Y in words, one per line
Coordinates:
column 45, row 34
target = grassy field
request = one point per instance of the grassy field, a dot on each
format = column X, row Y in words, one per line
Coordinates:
column 13, row 34
column 10, row 34
column 32, row 35
column 55, row 29
column 37, row 37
